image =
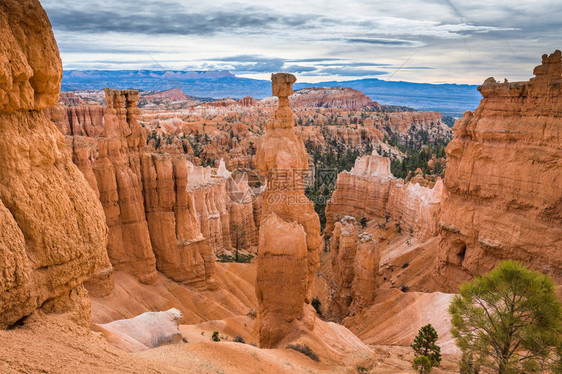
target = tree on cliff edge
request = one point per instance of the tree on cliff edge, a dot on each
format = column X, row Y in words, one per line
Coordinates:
column 428, row 354
column 239, row 240
column 508, row 321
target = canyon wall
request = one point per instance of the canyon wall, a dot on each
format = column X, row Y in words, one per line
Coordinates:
column 181, row 251
column 163, row 212
column 370, row 191
column 502, row 197
column 355, row 266
column 53, row 234
column 289, row 234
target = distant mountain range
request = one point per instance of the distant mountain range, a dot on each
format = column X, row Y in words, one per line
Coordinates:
column 449, row 99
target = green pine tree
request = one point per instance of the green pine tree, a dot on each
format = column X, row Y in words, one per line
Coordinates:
column 508, row 321
column 428, row 354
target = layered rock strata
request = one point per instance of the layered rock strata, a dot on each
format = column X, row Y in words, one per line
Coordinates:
column 355, row 266
column 182, row 252
column 502, row 197
column 289, row 234
column 338, row 97
column 181, row 213
column 370, row 191
column 53, row 234
column 223, row 206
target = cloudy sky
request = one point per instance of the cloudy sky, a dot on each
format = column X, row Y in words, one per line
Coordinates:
column 436, row 41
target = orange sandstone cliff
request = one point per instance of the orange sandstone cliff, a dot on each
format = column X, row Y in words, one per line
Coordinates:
column 53, row 233
column 355, row 266
column 502, row 197
column 370, row 191
column 163, row 212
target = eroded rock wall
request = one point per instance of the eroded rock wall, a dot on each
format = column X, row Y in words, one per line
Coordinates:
column 355, row 265
column 370, row 191
column 181, row 251
column 502, row 197
column 163, row 212
column 53, row 234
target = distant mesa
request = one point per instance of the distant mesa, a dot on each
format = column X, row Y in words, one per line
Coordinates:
column 332, row 97
column 174, row 94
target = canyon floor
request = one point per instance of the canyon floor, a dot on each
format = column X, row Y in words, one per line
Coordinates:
column 39, row 342
column 51, row 344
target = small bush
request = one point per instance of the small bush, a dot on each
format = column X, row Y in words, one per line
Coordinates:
column 404, row 288
column 363, row 222
column 242, row 258
column 316, row 304
column 215, row 337
column 239, row 339
column 362, row 370
column 305, row 350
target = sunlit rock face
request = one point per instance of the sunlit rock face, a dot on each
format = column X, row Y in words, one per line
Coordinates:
column 289, row 234
column 52, row 228
column 182, row 252
column 116, row 165
column 502, row 197
column 164, row 213
column 370, row 191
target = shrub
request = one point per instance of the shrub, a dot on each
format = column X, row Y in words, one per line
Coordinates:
column 242, row 258
column 305, row 350
column 362, row 370
column 239, row 339
column 423, row 364
column 316, row 304
column 363, row 222
column 215, row 337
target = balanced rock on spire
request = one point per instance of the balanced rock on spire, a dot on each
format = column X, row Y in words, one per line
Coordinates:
column 289, row 239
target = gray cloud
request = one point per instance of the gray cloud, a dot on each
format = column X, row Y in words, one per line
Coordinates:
column 155, row 17
column 387, row 42
column 244, row 64
column 350, row 72
column 354, row 64
column 299, row 69
column 451, row 40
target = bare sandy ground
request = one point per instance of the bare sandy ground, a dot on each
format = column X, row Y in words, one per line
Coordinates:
column 52, row 344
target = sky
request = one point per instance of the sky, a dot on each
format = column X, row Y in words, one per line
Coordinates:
column 433, row 41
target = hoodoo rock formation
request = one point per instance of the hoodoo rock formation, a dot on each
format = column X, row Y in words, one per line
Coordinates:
column 289, row 234
column 355, row 266
column 370, row 191
column 163, row 212
column 53, row 234
column 182, row 252
column 502, row 197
